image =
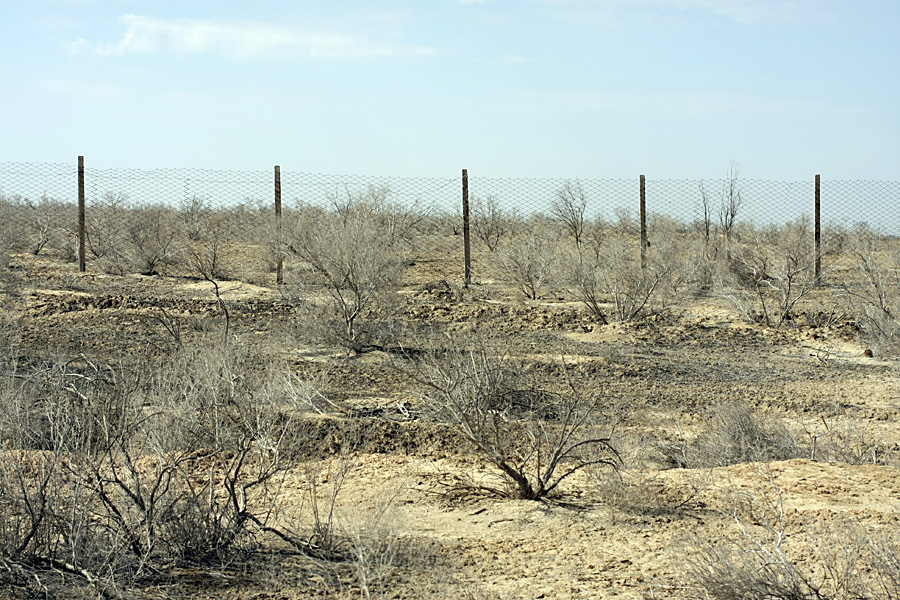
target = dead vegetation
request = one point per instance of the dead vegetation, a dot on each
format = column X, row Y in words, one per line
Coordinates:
column 334, row 436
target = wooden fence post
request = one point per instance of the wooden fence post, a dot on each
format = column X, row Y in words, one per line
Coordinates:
column 279, row 269
column 817, row 230
column 643, row 223
column 467, row 251
column 82, row 223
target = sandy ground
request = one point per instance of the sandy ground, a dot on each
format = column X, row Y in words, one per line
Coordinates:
column 630, row 534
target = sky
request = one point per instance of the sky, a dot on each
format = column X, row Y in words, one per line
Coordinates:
column 675, row 89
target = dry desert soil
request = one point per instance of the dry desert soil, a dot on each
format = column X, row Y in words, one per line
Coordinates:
column 639, row 531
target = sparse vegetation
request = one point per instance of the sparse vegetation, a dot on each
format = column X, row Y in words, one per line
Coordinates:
column 757, row 560
column 610, row 283
column 736, row 434
column 357, row 251
column 774, row 270
column 568, row 209
column 877, row 295
column 372, row 429
column 531, row 262
column 490, row 222
column 534, row 437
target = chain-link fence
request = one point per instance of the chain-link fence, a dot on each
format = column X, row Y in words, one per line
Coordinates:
column 845, row 204
column 146, row 221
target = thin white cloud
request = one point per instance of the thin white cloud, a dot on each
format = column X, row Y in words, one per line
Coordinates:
column 148, row 35
column 472, row 1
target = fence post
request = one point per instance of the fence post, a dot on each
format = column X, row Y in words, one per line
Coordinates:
column 817, row 231
column 82, row 233
column 643, row 223
column 467, row 251
column 279, row 269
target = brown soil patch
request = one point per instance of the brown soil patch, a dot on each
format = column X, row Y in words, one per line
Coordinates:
column 603, row 537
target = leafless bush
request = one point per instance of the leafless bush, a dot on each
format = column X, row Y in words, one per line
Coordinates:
column 110, row 475
column 209, row 251
column 490, row 222
column 154, row 234
column 773, row 271
column 62, row 415
column 376, row 547
column 754, row 563
column 531, row 261
column 127, row 239
column 252, row 218
column 609, row 281
column 625, row 224
column 357, row 251
column 35, row 225
column 535, row 438
column 568, row 209
column 195, row 215
column 106, row 235
column 315, row 525
column 757, row 562
column 646, row 492
column 847, row 440
column 726, row 204
column 877, row 297
column 735, row 434
column 9, row 231
column 46, row 221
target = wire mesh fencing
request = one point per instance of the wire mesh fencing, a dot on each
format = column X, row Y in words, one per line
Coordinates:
column 244, row 224
column 38, row 209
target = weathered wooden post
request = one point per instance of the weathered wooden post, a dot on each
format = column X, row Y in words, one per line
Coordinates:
column 82, row 222
column 817, row 231
column 279, row 269
column 467, row 251
column 643, row 223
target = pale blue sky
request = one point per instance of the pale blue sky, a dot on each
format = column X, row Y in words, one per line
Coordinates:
column 530, row 88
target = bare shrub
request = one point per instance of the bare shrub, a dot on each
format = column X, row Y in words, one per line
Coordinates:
column 535, row 438
column 357, row 250
column 735, row 433
column 531, row 261
column 850, row 441
column 490, row 223
column 34, row 226
column 609, row 281
column 645, row 492
column 773, row 271
column 106, row 234
column 112, row 475
column 877, row 296
column 154, row 233
column 195, row 215
column 46, row 222
column 226, row 404
column 753, row 564
column 9, row 230
column 126, row 239
column 847, row 563
column 209, row 252
column 57, row 524
column 568, row 209
column 625, row 224
column 376, row 547
column 726, row 203
column 320, row 532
